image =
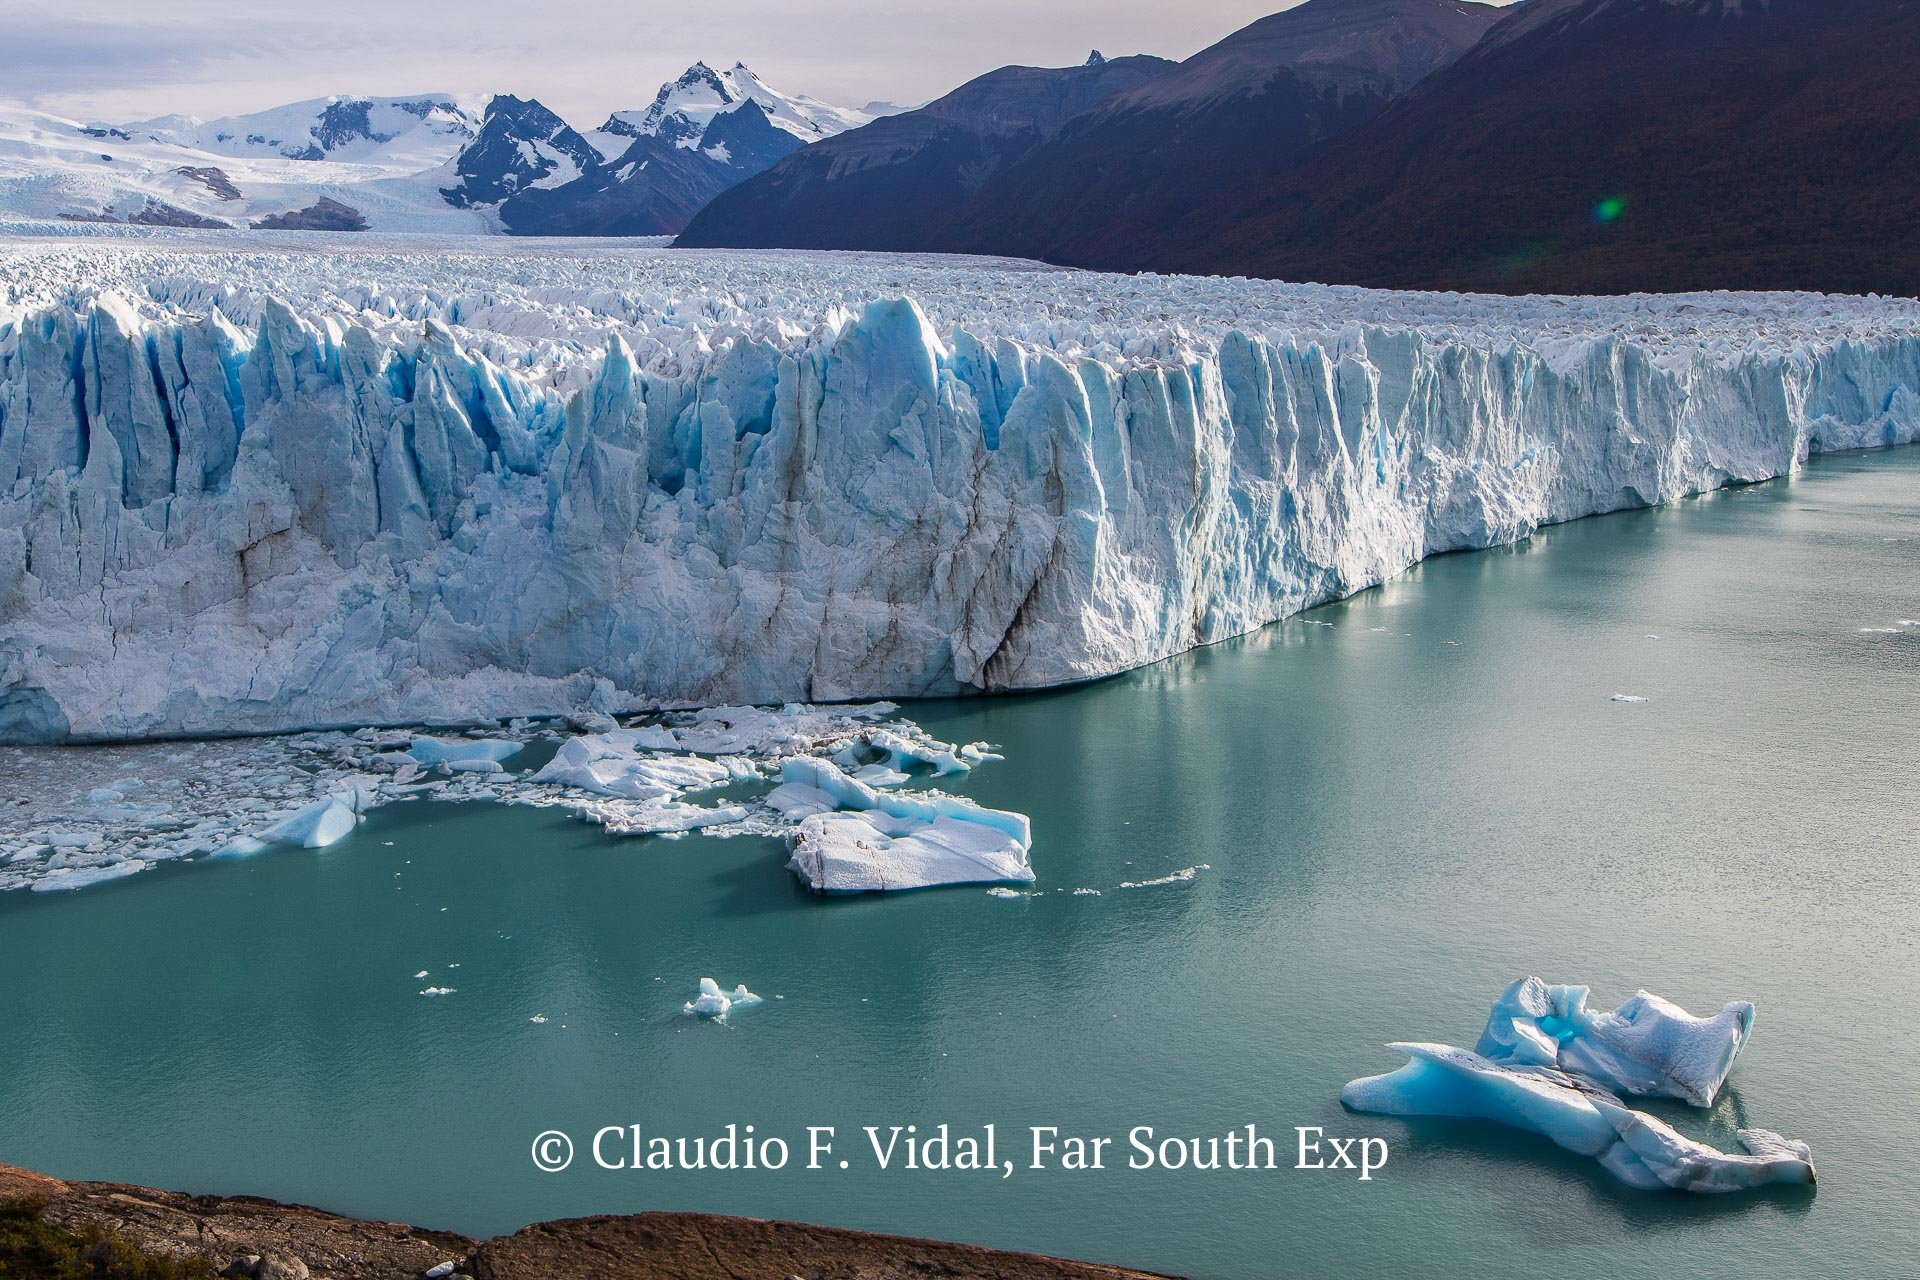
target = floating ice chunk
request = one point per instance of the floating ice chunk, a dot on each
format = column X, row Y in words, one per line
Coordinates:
column 316, row 825
column 475, row 766
column 1001, row 891
column 423, row 973
column 797, row 800
column 608, row 764
column 712, row 1002
column 1627, row 697
column 903, row 752
column 1638, row 1149
column 439, row 991
column 1181, row 876
column 240, row 847
column 889, row 840
column 459, row 751
column 538, row 1019
column 1648, row 1047
column 64, row 878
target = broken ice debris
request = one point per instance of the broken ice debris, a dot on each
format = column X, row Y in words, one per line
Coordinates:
column 712, row 1002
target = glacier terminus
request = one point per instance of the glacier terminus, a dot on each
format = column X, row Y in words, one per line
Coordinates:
column 310, row 482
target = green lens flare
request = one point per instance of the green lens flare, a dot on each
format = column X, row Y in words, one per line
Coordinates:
column 1610, row 209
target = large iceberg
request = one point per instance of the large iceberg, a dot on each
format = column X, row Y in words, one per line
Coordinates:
column 263, row 489
column 855, row 838
column 1641, row 1150
column 1549, row 1065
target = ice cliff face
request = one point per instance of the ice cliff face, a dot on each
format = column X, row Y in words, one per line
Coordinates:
column 331, row 491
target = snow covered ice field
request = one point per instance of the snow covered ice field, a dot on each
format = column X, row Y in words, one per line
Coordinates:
column 304, row 480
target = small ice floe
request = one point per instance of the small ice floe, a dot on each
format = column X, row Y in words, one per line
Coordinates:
column 464, row 753
column 423, row 974
column 1181, row 876
column 63, row 878
column 538, row 1019
column 712, row 1002
column 1879, row 631
column 1548, row 1064
column 1086, row 893
column 1626, row 697
column 316, row 825
column 439, row 991
column 1001, row 891
column 241, row 847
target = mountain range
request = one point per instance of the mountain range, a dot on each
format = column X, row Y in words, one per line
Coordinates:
column 1553, row 146
column 428, row 162
column 1548, row 146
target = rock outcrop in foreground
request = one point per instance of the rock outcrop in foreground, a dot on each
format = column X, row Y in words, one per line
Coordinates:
column 246, row 1236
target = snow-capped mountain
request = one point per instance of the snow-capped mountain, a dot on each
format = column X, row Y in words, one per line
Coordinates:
column 425, row 162
column 520, row 146
column 180, row 172
column 409, row 134
column 683, row 109
column 704, row 133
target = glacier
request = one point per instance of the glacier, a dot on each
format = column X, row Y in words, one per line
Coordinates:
column 394, row 480
column 1548, row 1065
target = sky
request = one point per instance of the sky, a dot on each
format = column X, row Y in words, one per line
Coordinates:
column 120, row 60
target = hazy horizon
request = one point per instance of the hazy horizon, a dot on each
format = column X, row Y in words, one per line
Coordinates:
column 116, row 61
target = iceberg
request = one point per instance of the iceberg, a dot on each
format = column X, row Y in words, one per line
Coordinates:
column 463, row 751
column 1648, row 1047
column 1549, row 1065
column 374, row 484
column 712, row 1002
column 316, row 825
column 1638, row 1149
column 876, row 840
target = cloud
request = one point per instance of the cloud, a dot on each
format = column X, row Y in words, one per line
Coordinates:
column 45, row 55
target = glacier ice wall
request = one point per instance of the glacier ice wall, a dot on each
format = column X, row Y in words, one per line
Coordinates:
column 323, row 516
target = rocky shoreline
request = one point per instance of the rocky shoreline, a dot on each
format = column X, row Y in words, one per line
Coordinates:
column 244, row 1236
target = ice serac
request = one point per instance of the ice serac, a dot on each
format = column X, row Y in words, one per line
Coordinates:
column 334, row 491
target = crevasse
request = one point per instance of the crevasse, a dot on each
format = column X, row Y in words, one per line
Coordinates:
column 209, row 527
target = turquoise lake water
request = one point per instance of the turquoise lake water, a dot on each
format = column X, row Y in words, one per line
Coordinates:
column 1402, row 811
